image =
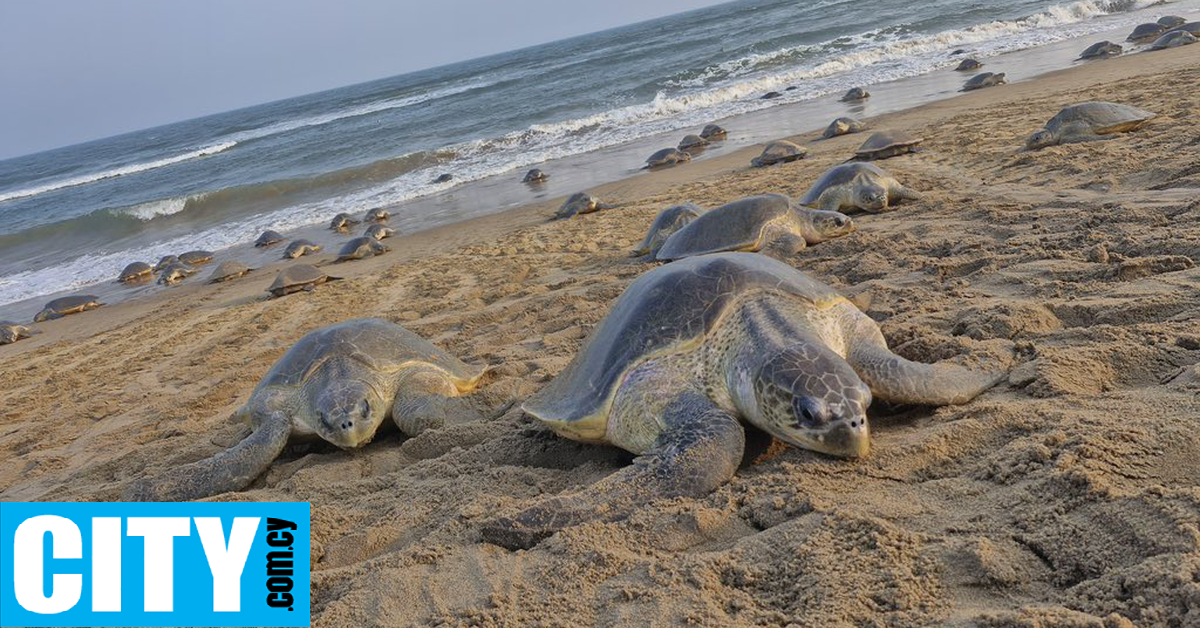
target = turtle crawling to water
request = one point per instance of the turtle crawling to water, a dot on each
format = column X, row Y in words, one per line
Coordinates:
column 137, row 271
column 843, row 126
column 580, row 203
column 982, row 80
column 175, row 273
column 779, row 152
column 713, row 132
column 536, row 175
column 1171, row 21
column 968, row 65
column 64, row 306
column 1096, row 120
column 694, row 349
column 228, row 271
column 1146, row 33
column 377, row 214
column 339, row 384
column 379, row 232
column 360, row 248
column 667, row 157
column 884, row 144
column 268, row 238
column 1101, row 50
column 196, row 258
column 1173, row 39
column 11, row 332
column 692, row 142
column 300, row 277
column 770, row 223
column 342, row 222
column 667, row 222
column 862, row 186
column 300, row 248
column 856, row 93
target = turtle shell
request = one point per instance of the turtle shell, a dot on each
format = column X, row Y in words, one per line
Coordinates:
column 1101, row 49
column 779, row 151
column 1146, row 32
column 296, row 276
column 381, row 345
column 67, row 305
column 1101, row 117
column 135, row 271
column 985, row 79
column 228, row 270
column 535, row 175
column 884, row 140
column 1190, row 27
column 843, row 126
column 713, row 132
column 166, row 260
column 1172, row 40
column 298, row 248
column 692, row 141
column 377, row 214
column 840, row 175
column 736, row 226
column 360, row 247
column 968, row 64
column 667, row 222
column 667, row 157
column 666, row 310
column 196, row 257
column 1171, row 21
column 268, row 238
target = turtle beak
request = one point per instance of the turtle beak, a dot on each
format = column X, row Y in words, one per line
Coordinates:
column 849, row 442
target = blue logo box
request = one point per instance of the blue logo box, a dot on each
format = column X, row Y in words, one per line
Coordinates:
column 154, row 564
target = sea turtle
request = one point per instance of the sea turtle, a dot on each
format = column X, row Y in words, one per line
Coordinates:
column 229, row 271
column 1190, row 27
column 667, row 222
column 770, row 96
column 884, row 144
column 300, row 248
column 361, row 247
column 536, row 175
column 967, row 65
column 862, row 186
column 694, row 349
column 137, row 271
column 196, row 258
column 770, row 223
column 713, row 133
column 692, row 141
column 296, row 278
column 1101, row 50
column 856, row 93
column 580, row 203
column 63, row 306
column 268, row 238
column 379, row 232
column 175, row 273
column 444, row 178
column 1088, row 121
column 342, row 222
column 11, row 332
column 982, row 80
column 377, row 214
column 1171, row 21
column 1173, row 39
column 843, row 126
column 667, row 157
column 166, row 260
column 779, row 152
column 1145, row 33
column 338, row 384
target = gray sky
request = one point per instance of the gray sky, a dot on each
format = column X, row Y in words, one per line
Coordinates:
column 77, row 70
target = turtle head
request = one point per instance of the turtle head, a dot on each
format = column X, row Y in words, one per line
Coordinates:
column 821, row 225
column 1041, row 139
column 870, row 196
column 808, row 396
column 346, row 408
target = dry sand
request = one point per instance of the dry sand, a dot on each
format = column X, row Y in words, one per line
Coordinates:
column 1068, row 496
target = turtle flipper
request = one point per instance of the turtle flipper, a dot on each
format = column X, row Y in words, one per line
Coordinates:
column 901, row 193
column 231, row 470
column 895, row 379
column 698, row 452
column 428, row 399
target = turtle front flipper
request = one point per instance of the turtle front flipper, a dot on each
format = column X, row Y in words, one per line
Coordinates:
column 895, row 379
column 698, row 451
column 428, row 398
column 901, row 193
column 231, row 470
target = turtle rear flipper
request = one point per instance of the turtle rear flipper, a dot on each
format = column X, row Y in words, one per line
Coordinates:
column 231, row 470
column 699, row 451
column 897, row 380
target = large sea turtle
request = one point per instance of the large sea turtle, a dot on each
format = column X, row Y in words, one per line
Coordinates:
column 982, row 80
column 339, row 384
column 196, row 258
column 1101, row 50
column 1146, row 33
column 63, row 306
column 1173, row 39
column 377, row 214
column 884, row 144
column 11, row 332
column 779, row 152
column 536, row 175
column 843, row 126
column 667, row 222
column 1088, row 121
column 268, row 238
column 360, row 248
column 693, row 350
column 580, row 203
column 713, row 132
column 175, row 273
column 967, row 65
column 137, row 271
column 692, row 142
column 856, row 93
column 1171, row 21
column 1190, row 27
column 770, row 223
column 342, row 222
column 862, row 186
column 379, row 232
column 667, row 157
column 228, row 271
column 300, row 248
column 296, row 278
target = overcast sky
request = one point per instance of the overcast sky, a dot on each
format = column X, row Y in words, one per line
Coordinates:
column 77, row 70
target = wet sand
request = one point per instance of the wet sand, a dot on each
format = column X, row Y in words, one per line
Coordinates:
column 1067, row 496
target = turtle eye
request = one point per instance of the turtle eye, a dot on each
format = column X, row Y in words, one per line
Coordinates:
column 366, row 409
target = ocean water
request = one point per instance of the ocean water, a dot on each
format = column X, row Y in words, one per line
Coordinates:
column 71, row 218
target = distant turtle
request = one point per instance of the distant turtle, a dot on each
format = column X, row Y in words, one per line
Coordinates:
column 296, row 278
column 667, row 222
column 137, row 271
column 856, row 93
column 692, row 141
column 196, row 258
column 1101, row 50
column 580, row 203
column 342, row 222
column 693, row 351
column 884, row 144
column 444, row 178
column 166, row 260
column 982, row 80
column 268, row 238
column 535, row 175
column 1171, row 21
column 667, row 157
column 1190, row 27
column 1089, row 121
column 300, row 248
column 63, row 306
column 770, row 223
column 843, row 126
column 1173, row 39
column 360, row 248
column 861, row 186
column 1145, row 33
column 338, row 384
column 11, row 332
column 377, row 214
column 229, row 271
column 967, row 65
column 713, row 133
column 770, row 96
column 779, row 152
column 175, row 273
column 379, row 232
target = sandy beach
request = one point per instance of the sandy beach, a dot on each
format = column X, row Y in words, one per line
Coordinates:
column 1067, row 496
